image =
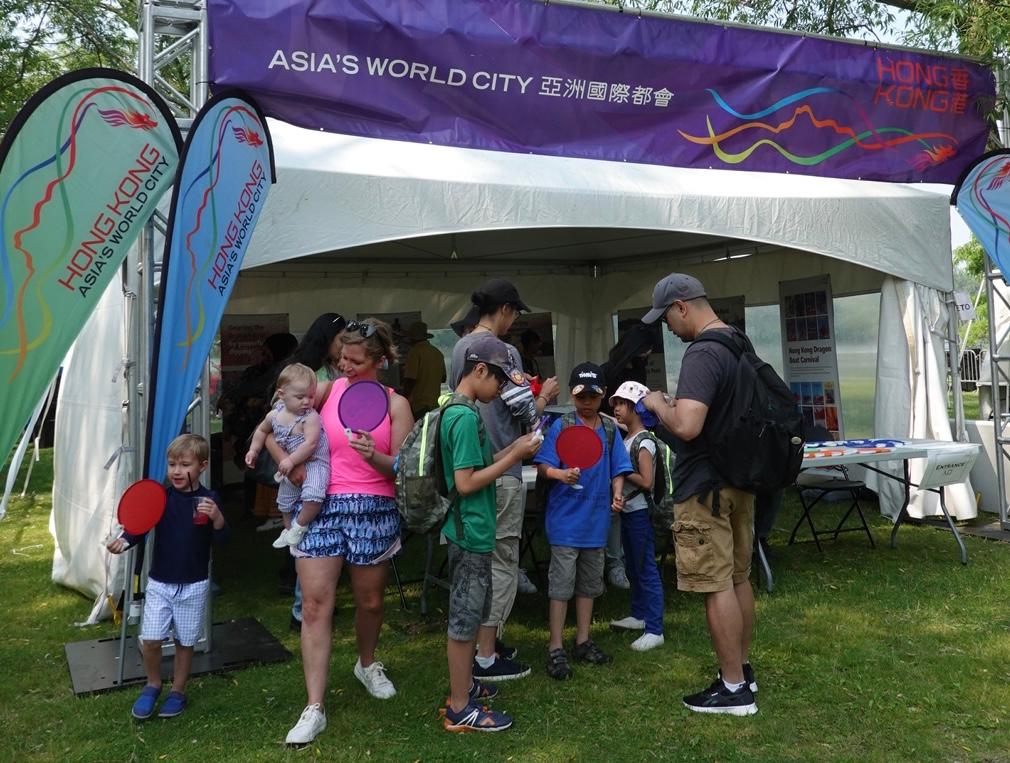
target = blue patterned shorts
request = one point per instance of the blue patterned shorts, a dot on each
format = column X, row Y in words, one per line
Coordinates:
column 356, row 526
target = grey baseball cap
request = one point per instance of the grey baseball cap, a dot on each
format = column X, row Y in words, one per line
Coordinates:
column 675, row 286
column 487, row 348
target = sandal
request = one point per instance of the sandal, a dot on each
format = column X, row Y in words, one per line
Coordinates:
column 587, row 651
column 557, row 665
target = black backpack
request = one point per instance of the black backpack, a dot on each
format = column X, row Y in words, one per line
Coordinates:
column 760, row 447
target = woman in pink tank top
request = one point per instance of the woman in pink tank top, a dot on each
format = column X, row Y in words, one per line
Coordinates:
column 358, row 525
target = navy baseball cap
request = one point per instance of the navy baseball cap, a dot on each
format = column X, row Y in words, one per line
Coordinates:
column 587, row 377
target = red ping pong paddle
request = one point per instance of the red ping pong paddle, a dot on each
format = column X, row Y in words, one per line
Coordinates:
column 579, row 446
column 363, row 406
column 141, row 506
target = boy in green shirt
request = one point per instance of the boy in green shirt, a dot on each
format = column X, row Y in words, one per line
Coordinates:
column 471, row 469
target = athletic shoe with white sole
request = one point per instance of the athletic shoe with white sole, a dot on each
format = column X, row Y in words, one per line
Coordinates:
column 474, row 718
column 501, row 670
column 618, row 578
column 271, row 523
column 374, row 679
column 309, row 726
column 628, row 623
column 524, row 583
column 718, row 699
column 648, row 641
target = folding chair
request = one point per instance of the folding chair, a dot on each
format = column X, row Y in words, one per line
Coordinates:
column 812, row 488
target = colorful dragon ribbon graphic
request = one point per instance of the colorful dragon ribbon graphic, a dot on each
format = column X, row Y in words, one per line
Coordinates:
column 82, row 168
column 790, row 134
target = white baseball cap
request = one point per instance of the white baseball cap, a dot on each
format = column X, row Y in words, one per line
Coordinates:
column 630, row 390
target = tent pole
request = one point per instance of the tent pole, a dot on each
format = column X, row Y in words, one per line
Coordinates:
column 953, row 359
column 1000, row 379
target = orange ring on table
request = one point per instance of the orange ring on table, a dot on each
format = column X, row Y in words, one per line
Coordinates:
column 824, row 453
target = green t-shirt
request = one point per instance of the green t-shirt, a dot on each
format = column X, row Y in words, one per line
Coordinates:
column 464, row 448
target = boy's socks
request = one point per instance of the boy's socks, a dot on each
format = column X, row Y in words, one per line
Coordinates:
column 485, row 662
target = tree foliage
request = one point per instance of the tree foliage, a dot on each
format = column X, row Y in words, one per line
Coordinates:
column 978, row 28
column 969, row 267
column 40, row 39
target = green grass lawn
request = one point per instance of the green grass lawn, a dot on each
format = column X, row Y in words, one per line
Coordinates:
column 861, row 655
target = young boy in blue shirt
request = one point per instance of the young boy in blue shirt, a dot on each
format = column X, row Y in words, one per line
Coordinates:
column 577, row 519
column 470, row 468
column 177, row 585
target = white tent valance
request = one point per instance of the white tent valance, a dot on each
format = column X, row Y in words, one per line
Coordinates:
column 337, row 192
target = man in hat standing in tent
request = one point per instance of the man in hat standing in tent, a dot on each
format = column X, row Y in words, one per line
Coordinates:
column 423, row 371
column 714, row 531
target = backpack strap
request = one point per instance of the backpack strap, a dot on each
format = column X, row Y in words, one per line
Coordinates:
column 731, row 341
column 636, row 445
column 610, row 428
column 609, row 425
column 462, row 400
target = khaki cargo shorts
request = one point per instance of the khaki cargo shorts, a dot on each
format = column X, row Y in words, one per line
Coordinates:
column 714, row 552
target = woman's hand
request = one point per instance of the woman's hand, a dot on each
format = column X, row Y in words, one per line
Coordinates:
column 363, row 443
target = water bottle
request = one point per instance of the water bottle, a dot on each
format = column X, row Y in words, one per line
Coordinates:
column 649, row 419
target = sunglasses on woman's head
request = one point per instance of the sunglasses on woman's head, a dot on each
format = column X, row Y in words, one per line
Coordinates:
column 365, row 329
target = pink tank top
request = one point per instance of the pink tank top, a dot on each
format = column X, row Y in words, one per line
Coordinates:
column 349, row 472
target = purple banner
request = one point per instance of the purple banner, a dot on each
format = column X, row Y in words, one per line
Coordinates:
column 559, row 80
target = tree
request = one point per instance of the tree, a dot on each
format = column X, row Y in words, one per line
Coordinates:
column 40, row 40
column 978, row 28
column 969, row 269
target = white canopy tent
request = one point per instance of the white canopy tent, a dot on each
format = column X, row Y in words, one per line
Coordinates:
column 367, row 226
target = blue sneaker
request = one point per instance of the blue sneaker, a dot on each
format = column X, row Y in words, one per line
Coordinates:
column 482, row 691
column 479, row 692
column 474, row 718
column 143, row 708
column 173, row 706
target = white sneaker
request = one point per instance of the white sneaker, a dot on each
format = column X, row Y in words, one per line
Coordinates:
column 271, row 524
column 647, row 641
column 628, row 623
column 291, row 536
column 525, row 585
column 374, row 679
column 309, row 726
column 619, row 578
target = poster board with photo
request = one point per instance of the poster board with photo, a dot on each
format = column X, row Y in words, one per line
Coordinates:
column 809, row 352
column 242, row 338
column 542, row 363
column 731, row 310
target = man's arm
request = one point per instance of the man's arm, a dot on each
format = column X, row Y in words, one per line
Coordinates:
column 684, row 418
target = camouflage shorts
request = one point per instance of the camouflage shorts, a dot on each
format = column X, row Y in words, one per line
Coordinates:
column 469, row 592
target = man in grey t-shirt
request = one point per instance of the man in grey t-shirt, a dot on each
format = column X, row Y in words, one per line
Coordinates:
column 714, row 531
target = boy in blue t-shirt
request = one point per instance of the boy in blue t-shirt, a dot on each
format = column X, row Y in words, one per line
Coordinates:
column 577, row 517
column 177, row 585
column 471, row 469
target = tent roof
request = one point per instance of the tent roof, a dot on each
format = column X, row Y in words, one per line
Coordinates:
column 356, row 200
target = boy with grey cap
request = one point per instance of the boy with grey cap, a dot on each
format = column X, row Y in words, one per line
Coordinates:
column 714, row 530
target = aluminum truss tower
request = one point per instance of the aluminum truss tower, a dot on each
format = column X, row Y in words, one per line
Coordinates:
column 173, row 48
